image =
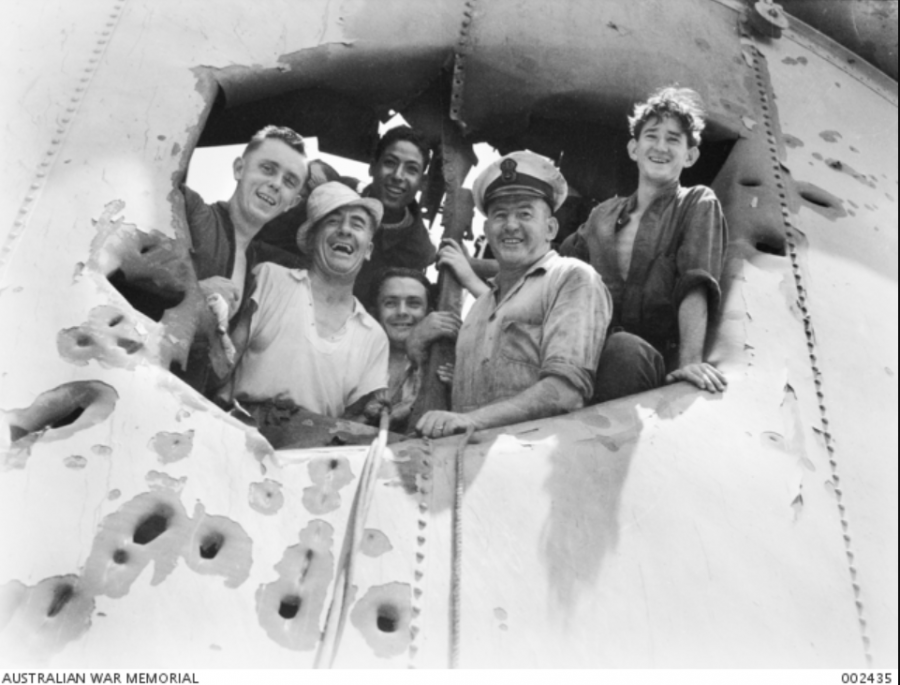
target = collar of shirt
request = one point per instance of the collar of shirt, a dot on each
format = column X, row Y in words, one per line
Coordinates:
column 629, row 204
column 359, row 312
column 540, row 266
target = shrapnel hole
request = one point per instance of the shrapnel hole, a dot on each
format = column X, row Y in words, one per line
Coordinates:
column 149, row 299
column 152, row 526
column 62, row 593
column 211, row 545
column 387, row 618
column 817, row 200
column 289, row 607
column 67, row 419
column 766, row 248
column 120, row 556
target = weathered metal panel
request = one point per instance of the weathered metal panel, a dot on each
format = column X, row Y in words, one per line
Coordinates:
column 842, row 158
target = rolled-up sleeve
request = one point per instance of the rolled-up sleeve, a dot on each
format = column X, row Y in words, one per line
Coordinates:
column 575, row 327
column 701, row 254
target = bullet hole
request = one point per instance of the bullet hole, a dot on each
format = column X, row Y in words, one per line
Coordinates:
column 153, row 526
column 333, row 464
column 120, row 556
column 62, row 594
column 387, row 618
column 751, row 183
column 67, row 419
column 816, row 199
column 289, row 607
column 768, row 248
column 84, row 341
column 70, row 407
column 130, row 346
column 211, row 544
column 147, row 297
column 116, row 320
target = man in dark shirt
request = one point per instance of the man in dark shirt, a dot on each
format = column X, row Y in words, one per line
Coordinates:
column 660, row 253
column 270, row 175
column 398, row 171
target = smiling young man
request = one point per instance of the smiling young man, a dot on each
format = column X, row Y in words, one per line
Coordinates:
column 398, row 172
column 310, row 343
column 269, row 176
column 660, row 253
column 530, row 344
column 404, row 304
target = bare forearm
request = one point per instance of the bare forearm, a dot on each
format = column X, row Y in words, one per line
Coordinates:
column 692, row 323
column 549, row 397
column 485, row 268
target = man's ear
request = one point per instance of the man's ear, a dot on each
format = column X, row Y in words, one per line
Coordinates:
column 370, row 249
column 238, row 167
column 296, row 201
column 553, row 225
column 692, row 156
column 632, row 149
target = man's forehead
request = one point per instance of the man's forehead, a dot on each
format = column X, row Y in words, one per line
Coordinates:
column 278, row 151
column 516, row 202
column 403, row 286
column 666, row 122
column 405, row 151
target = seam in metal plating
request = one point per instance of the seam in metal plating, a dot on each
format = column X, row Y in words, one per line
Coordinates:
column 459, row 62
column 64, row 123
column 802, row 301
column 425, row 488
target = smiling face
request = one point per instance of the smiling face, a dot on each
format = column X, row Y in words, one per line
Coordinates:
column 519, row 230
column 343, row 241
column 662, row 151
column 402, row 303
column 269, row 181
column 397, row 176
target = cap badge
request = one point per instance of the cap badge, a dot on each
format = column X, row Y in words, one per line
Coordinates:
column 508, row 167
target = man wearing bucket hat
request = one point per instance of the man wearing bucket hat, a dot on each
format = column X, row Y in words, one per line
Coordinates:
column 530, row 344
column 310, row 343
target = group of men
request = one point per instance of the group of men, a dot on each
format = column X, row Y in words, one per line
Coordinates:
column 622, row 307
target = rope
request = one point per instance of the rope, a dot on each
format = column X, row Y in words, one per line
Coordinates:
column 356, row 522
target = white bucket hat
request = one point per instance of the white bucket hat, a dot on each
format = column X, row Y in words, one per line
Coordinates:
column 329, row 197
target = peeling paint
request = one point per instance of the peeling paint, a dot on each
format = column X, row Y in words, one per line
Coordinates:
column 41, row 620
column 55, row 415
column 101, row 450
column 109, row 337
column 151, row 527
column 831, row 136
column 375, row 543
column 383, row 616
column 75, row 462
column 220, row 547
column 161, row 481
column 172, row 447
column 793, row 142
column 839, row 166
column 329, row 477
column 290, row 608
column 266, row 497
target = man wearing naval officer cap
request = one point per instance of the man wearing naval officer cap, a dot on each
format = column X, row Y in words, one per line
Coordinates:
column 530, row 344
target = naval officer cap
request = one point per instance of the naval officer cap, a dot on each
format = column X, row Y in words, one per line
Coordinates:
column 521, row 173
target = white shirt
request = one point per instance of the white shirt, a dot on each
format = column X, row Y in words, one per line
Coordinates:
column 287, row 359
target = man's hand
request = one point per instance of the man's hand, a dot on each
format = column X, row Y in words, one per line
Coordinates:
column 454, row 257
column 704, row 376
column 438, row 424
column 433, row 327
column 226, row 288
column 445, row 373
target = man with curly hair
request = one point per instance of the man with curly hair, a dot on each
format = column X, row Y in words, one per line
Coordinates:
column 660, row 253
